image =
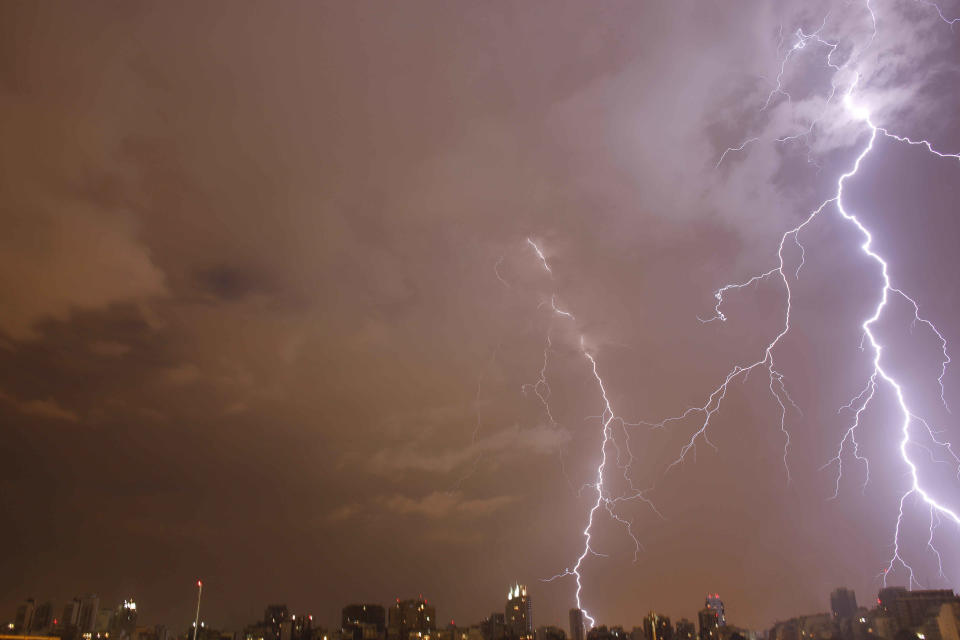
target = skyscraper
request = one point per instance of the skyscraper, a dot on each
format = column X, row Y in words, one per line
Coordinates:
column 42, row 618
column 715, row 603
column 657, row 627
column 89, row 608
column 494, row 627
column 364, row 621
column 578, row 625
column 24, row 620
column 843, row 603
column 518, row 614
column 411, row 619
column 274, row 616
column 685, row 630
column 709, row 625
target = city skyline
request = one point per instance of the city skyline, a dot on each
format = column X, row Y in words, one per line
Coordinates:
column 88, row 604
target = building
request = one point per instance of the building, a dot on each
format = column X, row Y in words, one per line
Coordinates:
column 843, row 603
column 104, row 620
column 685, row 630
column 604, row 633
column 911, row 609
column 89, row 610
column 23, row 621
column 273, row 617
column 948, row 621
column 124, row 621
column 518, row 614
column 363, row 622
column 714, row 602
column 709, row 624
column 42, row 618
column 578, row 625
column 411, row 619
column 657, row 627
column 494, row 627
column 550, row 633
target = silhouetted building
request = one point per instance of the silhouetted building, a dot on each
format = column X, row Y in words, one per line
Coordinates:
column 89, row 608
column 604, row 633
column 494, row 627
column 42, row 618
column 709, row 624
column 578, row 625
column 550, row 633
column 685, row 630
column 411, row 619
column 104, row 621
column 911, row 609
column 715, row 603
column 364, row 621
column 273, row 617
column 23, row 621
column 124, row 620
column 843, row 603
column 657, row 627
column 518, row 614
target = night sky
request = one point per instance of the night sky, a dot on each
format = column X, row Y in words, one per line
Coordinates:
column 268, row 307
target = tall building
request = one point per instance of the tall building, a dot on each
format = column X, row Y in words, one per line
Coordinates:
column 89, row 609
column 657, row 627
column 42, row 618
column 709, row 624
column 843, row 603
column 518, row 614
column 273, row 618
column 24, row 620
column 71, row 613
column 494, row 627
column 578, row 625
column 685, row 630
column 364, row 621
column 715, row 603
column 124, row 621
column 411, row 619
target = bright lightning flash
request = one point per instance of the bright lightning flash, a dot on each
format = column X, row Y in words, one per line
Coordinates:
column 881, row 375
column 881, row 379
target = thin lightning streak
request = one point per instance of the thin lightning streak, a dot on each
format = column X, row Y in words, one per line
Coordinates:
column 608, row 417
column 496, row 271
column 949, row 21
column 540, row 255
column 734, row 149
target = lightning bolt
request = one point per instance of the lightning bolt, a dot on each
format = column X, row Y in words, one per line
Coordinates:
column 606, row 501
column 881, row 375
column 914, row 429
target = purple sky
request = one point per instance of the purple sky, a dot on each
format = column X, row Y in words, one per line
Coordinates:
column 267, row 304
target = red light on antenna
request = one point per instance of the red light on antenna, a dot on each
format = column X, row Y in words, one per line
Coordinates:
column 199, row 583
